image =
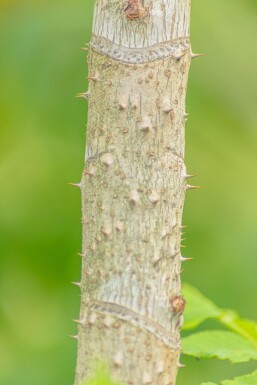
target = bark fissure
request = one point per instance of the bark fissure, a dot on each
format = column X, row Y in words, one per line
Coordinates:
column 120, row 312
column 133, row 189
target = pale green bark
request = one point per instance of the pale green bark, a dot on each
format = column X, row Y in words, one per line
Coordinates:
column 133, row 189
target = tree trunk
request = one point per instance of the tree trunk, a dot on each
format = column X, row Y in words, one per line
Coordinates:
column 133, row 188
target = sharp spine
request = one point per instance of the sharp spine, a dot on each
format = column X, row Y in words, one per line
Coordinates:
column 75, row 337
column 195, row 55
column 190, row 187
column 84, row 95
column 95, row 78
column 184, row 259
column 76, row 284
column 75, row 184
column 79, row 321
column 188, row 176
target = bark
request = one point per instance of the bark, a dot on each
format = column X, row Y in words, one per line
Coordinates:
column 133, row 188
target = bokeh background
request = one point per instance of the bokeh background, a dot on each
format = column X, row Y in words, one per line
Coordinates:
column 42, row 140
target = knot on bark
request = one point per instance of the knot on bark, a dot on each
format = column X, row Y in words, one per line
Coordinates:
column 135, row 9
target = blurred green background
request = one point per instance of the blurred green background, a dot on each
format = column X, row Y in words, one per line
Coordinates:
column 42, row 140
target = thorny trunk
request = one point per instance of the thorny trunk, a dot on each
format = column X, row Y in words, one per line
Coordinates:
column 133, row 188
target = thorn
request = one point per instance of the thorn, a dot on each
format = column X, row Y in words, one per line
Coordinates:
column 146, row 124
column 190, row 187
column 76, row 337
column 94, row 78
column 84, row 95
column 85, row 48
column 76, row 284
column 107, row 159
column 182, row 246
column 183, row 227
column 188, row 176
column 108, row 321
column 92, row 319
column 156, row 259
column 186, row 114
column 181, row 365
column 119, row 226
column 147, row 379
column 160, row 367
column 118, row 359
column 122, row 106
column 90, row 172
column 134, row 197
column 154, row 197
column 79, row 321
column 184, row 259
column 166, row 106
column 106, row 230
column 80, row 255
column 123, row 102
column 134, row 103
column 75, row 184
column 195, row 55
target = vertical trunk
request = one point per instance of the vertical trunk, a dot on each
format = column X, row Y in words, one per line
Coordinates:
column 133, row 189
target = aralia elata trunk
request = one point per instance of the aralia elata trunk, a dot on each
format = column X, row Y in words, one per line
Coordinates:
column 133, row 189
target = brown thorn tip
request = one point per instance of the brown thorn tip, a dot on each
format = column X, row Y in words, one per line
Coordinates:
column 75, row 184
column 190, row 187
column 94, row 78
column 184, row 259
column 195, row 55
column 76, row 284
column 188, row 176
column 83, row 95
column 76, row 337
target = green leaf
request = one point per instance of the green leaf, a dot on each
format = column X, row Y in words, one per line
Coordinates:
column 198, row 308
column 244, row 327
column 223, row 345
column 250, row 379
